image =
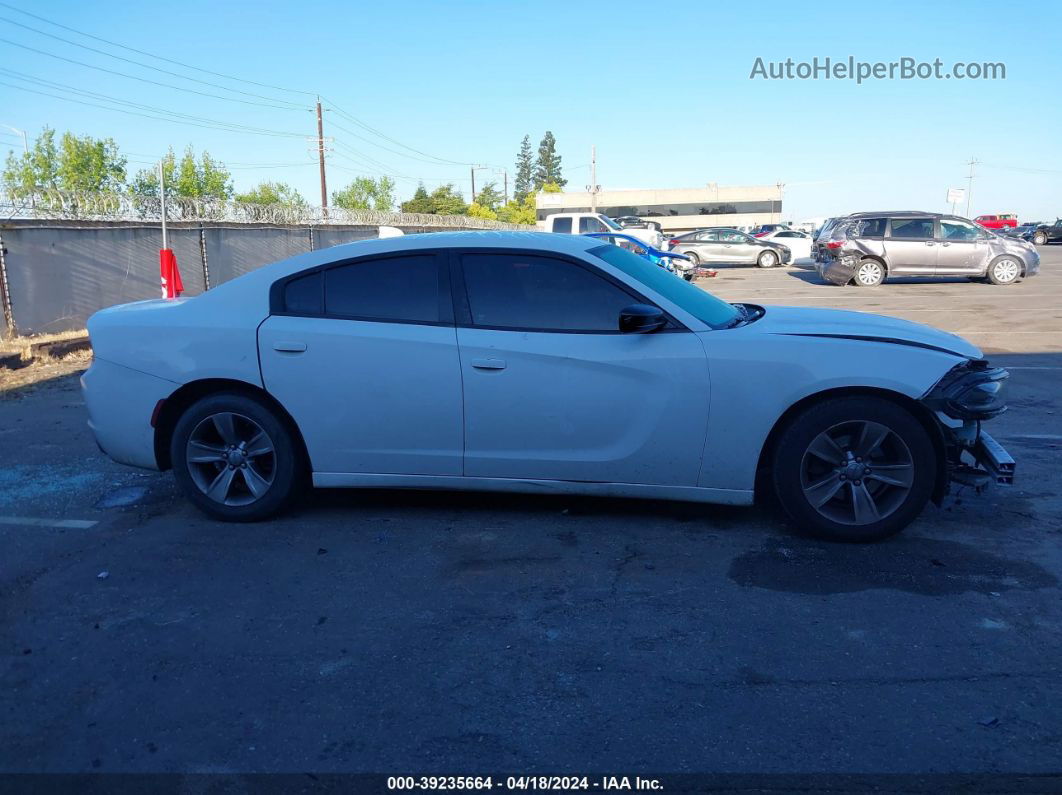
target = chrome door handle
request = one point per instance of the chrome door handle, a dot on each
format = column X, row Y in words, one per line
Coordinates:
column 289, row 347
column 930, row 243
column 488, row 364
column 945, row 244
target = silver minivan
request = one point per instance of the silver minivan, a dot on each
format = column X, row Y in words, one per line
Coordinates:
column 865, row 248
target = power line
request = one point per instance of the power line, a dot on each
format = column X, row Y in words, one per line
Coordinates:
column 376, row 132
column 146, row 80
column 139, row 63
column 212, row 125
column 155, row 55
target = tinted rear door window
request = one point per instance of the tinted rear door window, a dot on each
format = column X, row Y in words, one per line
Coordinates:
column 302, row 296
column 402, row 289
column 540, row 294
column 562, row 225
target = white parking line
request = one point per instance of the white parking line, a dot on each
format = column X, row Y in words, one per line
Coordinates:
column 64, row 524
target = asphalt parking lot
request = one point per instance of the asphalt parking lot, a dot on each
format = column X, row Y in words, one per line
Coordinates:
column 401, row 632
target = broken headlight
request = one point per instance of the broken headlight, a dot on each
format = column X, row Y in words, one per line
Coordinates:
column 970, row 391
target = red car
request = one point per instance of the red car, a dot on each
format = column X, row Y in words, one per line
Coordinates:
column 1001, row 221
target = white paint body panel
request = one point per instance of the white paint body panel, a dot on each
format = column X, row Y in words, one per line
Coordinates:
column 369, row 397
column 629, row 408
column 678, row 415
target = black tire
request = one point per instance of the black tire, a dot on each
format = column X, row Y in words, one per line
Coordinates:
column 688, row 276
column 276, row 475
column 1000, row 275
column 796, row 470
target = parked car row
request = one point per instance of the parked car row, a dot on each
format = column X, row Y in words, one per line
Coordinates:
column 719, row 246
column 866, row 248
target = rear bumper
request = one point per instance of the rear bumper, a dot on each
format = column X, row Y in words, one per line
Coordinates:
column 120, row 402
column 837, row 271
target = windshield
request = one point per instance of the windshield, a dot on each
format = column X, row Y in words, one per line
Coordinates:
column 610, row 223
column 702, row 305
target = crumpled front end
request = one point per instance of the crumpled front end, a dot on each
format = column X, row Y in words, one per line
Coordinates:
column 969, row 394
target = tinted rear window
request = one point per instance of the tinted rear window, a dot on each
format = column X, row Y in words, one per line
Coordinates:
column 302, row 296
column 393, row 288
column 871, row 227
column 562, row 225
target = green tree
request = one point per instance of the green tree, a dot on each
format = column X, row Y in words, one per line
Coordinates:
column 78, row 163
column 489, row 197
column 366, row 193
column 272, row 193
column 477, row 210
column 525, row 167
column 548, row 165
column 204, row 178
column 519, row 212
column 444, row 200
column 551, row 187
column 420, row 203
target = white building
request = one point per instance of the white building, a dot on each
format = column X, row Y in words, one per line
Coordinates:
column 679, row 209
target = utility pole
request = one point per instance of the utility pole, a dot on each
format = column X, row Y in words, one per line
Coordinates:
column 505, row 191
column 321, row 158
column 969, row 183
column 472, row 171
column 593, row 187
column 162, row 197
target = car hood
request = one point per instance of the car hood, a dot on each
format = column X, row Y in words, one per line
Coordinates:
column 843, row 324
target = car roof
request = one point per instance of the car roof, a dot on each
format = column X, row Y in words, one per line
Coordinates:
column 894, row 214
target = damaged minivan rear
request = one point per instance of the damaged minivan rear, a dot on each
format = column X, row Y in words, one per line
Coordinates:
column 864, row 249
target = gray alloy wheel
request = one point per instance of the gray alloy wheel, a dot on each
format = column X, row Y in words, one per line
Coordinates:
column 1004, row 270
column 695, row 261
column 231, row 459
column 1040, row 239
column 768, row 259
column 870, row 273
column 857, row 473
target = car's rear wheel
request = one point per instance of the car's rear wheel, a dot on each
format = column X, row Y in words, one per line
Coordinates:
column 768, row 259
column 1040, row 239
column 1004, row 270
column 869, row 273
column 695, row 261
column 234, row 458
column 854, row 469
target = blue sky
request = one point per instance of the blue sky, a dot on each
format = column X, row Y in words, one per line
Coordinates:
column 663, row 90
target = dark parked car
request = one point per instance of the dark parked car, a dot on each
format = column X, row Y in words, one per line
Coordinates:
column 1045, row 233
column 866, row 247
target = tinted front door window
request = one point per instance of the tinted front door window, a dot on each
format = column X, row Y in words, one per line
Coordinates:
column 540, row 294
column 912, row 228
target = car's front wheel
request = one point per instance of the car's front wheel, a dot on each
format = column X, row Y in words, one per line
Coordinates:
column 854, row 469
column 1040, row 239
column 768, row 259
column 695, row 261
column 234, row 458
column 1004, row 270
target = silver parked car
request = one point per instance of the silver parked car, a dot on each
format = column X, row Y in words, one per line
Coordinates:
column 730, row 247
column 865, row 248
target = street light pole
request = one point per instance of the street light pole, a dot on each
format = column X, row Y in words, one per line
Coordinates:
column 17, row 131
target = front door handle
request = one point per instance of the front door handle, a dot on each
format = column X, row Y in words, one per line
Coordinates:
column 945, row 244
column 488, row 364
column 289, row 347
column 930, row 243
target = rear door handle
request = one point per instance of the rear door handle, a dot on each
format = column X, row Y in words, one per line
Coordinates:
column 488, row 364
column 289, row 347
column 930, row 243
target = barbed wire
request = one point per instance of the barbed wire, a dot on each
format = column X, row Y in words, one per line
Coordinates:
column 75, row 206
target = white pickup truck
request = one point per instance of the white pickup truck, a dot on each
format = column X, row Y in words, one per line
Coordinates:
column 589, row 223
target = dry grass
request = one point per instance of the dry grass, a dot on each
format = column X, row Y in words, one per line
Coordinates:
column 22, row 345
column 16, row 383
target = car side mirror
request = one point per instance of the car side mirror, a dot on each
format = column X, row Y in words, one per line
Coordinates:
column 641, row 319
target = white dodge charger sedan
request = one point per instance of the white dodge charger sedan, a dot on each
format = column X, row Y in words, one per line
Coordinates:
column 528, row 362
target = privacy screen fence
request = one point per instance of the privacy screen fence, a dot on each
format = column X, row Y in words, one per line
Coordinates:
column 64, row 256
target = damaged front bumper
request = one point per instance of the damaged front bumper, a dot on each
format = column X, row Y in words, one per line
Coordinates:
column 967, row 395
